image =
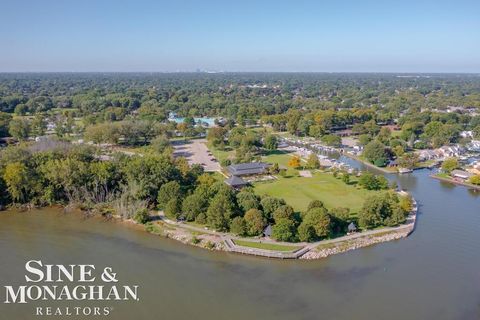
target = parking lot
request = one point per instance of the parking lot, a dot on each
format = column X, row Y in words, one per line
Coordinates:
column 196, row 152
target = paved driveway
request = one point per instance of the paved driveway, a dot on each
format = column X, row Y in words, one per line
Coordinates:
column 196, row 152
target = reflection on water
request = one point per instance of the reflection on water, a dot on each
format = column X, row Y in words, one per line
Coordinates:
column 433, row 274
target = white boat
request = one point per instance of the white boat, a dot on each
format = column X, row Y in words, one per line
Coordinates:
column 404, row 170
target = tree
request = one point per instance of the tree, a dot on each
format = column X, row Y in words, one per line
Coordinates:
column 370, row 181
column 5, row 119
column 306, row 232
column 141, row 216
column 408, row 160
column 255, row 222
column 221, row 211
column 283, row 230
column 371, row 127
column 364, row 139
column 450, row 164
column 406, row 203
column 238, row 226
column 476, row 132
column 384, row 135
column 316, row 131
column 312, row 161
column 39, row 125
column 341, row 213
column 381, row 209
column 168, row 191
column 398, row 150
column 172, row 208
column 319, row 220
column 21, row 109
column 346, row 177
column 375, row 152
column 315, row 204
column 216, row 136
column 19, row 128
column 193, row 205
column 270, row 204
column 17, row 179
column 149, row 173
column 270, row 142
column 332, row 140
column 475, row 180
column 294, row 162
column 284, row 212
column 247, row 200
column 160, row 143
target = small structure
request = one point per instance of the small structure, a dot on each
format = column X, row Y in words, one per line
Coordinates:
column 248, row 169
column 461, row 174
column 352, row 228
column 267, row 232
column 393, row 163
column 236, row 182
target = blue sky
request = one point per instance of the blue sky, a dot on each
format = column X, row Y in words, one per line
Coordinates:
column 295, row 35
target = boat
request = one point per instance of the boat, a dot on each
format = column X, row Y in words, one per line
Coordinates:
column 404, row 170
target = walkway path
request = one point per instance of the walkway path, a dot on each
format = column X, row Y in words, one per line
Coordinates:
column 296, row 253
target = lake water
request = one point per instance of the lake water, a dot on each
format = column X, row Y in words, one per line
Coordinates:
column 433, row 274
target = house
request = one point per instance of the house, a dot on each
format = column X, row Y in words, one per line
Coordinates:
column 461, row 174
column 352, row 228
column 466, row 134
column 451, row 151
column 424, row 155
column 248, row 169
column 344, row 133
column 392, row 163
column 474, row 146
column 267, row 232
column 236, row 182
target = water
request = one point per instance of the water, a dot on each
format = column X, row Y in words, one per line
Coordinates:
column 433, row 274
column 209, row 121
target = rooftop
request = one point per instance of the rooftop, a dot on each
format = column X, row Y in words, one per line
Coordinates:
column 243, row 169
column 235, row 181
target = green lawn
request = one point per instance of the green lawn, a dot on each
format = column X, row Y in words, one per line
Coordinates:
column 221, row 154
column 396, row 133
column 278, row 156
column 299, row 191
column 266, row 246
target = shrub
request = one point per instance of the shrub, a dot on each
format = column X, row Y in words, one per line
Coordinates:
column 141, row 216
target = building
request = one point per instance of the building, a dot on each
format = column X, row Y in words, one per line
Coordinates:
column 236, row 182
column 352, row 228
column 461, row 174
column 424, row 155
column 248, row 169
column 267, row 232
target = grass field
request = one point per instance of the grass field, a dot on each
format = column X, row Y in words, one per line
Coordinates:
column 278, row 156
column 266, row 246
column 299, row 191
column 220, row 155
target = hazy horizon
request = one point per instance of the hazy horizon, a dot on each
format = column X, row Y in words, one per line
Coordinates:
column 268, row 36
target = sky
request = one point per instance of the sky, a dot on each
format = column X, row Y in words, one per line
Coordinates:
column 239, row 35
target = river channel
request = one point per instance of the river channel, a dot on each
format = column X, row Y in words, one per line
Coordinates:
column 432, row 274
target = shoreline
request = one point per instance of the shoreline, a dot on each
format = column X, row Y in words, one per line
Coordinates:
column 219, row 241
column 204, row 238
column 452, row 181
column 366, row 163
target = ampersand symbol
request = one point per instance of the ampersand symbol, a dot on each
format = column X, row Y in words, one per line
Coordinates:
column 108, row 275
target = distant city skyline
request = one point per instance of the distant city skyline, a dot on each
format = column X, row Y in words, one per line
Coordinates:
column 247, row 36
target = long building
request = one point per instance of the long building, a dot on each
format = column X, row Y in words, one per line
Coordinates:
column 248, row 169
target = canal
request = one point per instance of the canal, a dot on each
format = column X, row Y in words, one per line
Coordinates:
column 433, row 274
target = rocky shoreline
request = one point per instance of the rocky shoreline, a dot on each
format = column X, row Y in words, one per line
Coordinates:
column 348, row 245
